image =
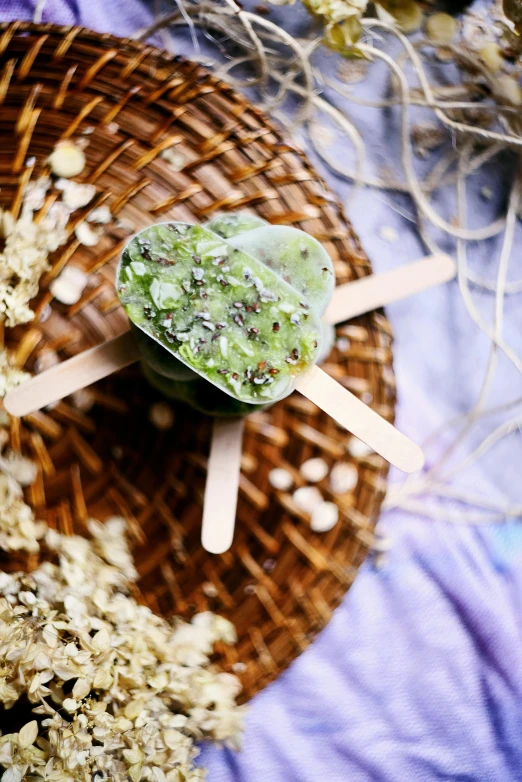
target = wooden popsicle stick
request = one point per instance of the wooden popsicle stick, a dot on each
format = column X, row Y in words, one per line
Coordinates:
column 72, row 375
column 360, row 419
column 220, row 501
column 369, row 293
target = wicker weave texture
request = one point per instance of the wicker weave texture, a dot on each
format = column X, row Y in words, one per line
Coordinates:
column 280, row 581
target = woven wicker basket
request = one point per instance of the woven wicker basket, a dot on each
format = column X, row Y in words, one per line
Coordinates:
column 280, row 581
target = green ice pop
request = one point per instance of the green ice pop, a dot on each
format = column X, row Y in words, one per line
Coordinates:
column 228, row 224
column 292, row 253
column 297, row 257
column 221, row 312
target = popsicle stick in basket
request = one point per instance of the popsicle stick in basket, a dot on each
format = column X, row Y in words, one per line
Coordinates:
column 377, row 290
column 361, row 420
column 220, row 501
column 69, row 376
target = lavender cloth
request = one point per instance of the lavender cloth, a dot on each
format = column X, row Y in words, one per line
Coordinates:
column 418, row 677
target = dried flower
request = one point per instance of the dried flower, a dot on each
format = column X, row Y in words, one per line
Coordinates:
column 406, row 13
column 24, row 257
column 75, row 195
column 123, row 693
column 342, row 36
column 343, row 478
column 66, row 160
column 324, row 517
column 314, row 470
column 86, row 235
column 102, row 214
column 307, row 498
column 334, row 11
column 68, row 286
column 19, row 531
column 10, row 375
column 161, row 416
column 441, row 28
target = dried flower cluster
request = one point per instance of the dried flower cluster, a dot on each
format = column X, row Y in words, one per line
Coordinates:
column 28, row 242
column 500, row 42
column 10, row 375
column 19, row 531
column 117, row 692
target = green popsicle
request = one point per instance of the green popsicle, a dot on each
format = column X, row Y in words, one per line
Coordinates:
column 221, row 312
column 228, row 224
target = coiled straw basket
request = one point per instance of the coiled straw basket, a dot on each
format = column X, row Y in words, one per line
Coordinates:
column 280, row 581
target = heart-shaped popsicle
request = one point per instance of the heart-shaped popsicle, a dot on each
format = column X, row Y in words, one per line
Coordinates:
column 224, row 314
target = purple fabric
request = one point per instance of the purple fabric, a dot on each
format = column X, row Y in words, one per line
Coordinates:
column 418, row 677
column 119, row 17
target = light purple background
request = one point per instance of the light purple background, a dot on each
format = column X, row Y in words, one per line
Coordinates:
column 418, row 677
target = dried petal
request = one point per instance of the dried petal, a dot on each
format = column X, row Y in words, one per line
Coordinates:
column 28, row 734
column 66, row 160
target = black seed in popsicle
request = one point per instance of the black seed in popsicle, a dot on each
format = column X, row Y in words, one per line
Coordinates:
column 239, row 320
column 275, row 327
column 261, row 365
column 172, row 338
column 165, row 262
column 223, row 371
column 273, row 371
column 238, row 305
column 196, row 259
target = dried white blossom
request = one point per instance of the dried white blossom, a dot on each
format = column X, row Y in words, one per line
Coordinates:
column 19, row 531
column 75, row 195
column 175, row 159
column 102, row 214
column 314, row 470
column 20, row 468
column 66, row 160
column 161, row 416
column 324, row 517
column 86, row 235
column 280, row 479
column 343, row 478
column 69, row 285
column 10, row 375
column 35, row 193
column 307, row 498
column 357, row 448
